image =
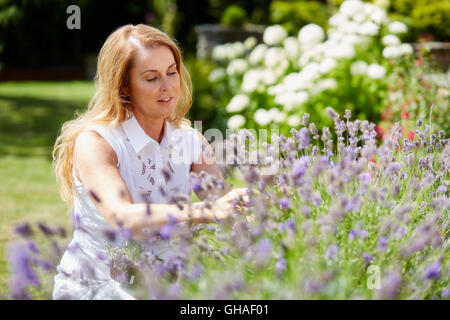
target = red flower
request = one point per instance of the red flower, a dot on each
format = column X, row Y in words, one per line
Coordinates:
column 404, row 115
column 419, row 61
column 411, row 135
column 379, row 130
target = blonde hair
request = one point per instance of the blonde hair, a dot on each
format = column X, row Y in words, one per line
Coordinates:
column 109, row 106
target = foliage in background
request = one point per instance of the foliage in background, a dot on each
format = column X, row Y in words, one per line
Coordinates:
column 205, row 105
column 234, row 16
column 293, row 15
column 415, row 91
column 423, row 17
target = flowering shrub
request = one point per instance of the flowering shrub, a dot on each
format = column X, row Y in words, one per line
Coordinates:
column 287, row 76
column 415, row 92
column 339, row 219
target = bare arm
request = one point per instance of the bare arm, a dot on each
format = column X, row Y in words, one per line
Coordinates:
column 95, row 164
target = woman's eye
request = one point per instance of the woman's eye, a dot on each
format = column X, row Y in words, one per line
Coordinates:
column 172, row 73
column 151, row 79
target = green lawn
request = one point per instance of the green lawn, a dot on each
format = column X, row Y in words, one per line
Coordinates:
column 31, row 114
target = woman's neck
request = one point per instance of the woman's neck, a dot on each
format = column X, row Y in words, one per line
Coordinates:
column 154, row 128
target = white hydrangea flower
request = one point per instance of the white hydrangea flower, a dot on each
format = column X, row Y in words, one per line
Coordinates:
column 306, row 57
column 311, row 71
column 291, row 47
column 269, row 77
column 310, row 35
column 219, row 53
column 352, row 39
column 369, row 9
column 368, row 28
column 350, row 27
column 251, row 80
column 262, row 117
column 341, row 51
column 397, row 27
column 406, row 49
column 337, row 20
column 273, row 56
column 238, row 103
column 325, row 84
column 276, row 115
column 277, row 89
column 392, row 52
column 250, row 43
column 237, row 67
column 236, row 121
column 280, row 68
column 390, row 40
column 327, row 65
column 257, row 55
column 293, row 121
column 236, row 50
column 351, row 7
column 375, row 71
column 290, row 99
column 274, row 35
column 379, row 16
column 360, row 16
column 358, row 67
column 216, row 74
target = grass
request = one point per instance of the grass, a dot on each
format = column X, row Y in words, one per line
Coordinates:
column 31, row 114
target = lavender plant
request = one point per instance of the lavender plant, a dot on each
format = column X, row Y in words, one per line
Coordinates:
column 341, row 219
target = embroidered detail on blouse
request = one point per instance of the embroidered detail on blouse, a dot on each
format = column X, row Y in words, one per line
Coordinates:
column 143, row 168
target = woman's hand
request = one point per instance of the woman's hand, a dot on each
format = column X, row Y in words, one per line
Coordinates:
column 232, row 202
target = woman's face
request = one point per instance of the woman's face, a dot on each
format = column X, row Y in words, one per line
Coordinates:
column 154, row 83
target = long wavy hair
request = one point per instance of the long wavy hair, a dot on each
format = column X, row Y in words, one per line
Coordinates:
column 109, row 106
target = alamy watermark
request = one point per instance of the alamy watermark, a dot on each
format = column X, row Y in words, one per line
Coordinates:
column 238, row 147
column 74, row 20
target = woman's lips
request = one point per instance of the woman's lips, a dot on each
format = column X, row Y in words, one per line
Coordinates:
column 165, row 102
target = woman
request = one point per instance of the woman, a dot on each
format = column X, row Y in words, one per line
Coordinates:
column 119, row 165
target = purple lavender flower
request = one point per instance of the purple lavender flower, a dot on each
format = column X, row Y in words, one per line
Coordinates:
column 419, row 123
column 300, row 166
column 125, row 233
column 352, row 235
column 393, row 168
column 305, row 119
column 285, row 202
column 331, row 252
column 111, row 235
column 20, row 259
column 196, row 183
column 280, row 266
column 23, row 229
column 196, row 272
column 445, row 293
column 303, row 138
column 367, row 256
column 45, row 229
column 382, row 243
column 433, row 271
column 333, row 115
column 390, row 286
column 263, row 251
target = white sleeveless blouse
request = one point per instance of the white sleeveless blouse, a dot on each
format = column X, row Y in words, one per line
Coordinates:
column 84, row 271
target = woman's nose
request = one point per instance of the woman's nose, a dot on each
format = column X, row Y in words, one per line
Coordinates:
column 164, row 84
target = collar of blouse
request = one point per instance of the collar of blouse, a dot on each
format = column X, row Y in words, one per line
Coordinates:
column 139, row 139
